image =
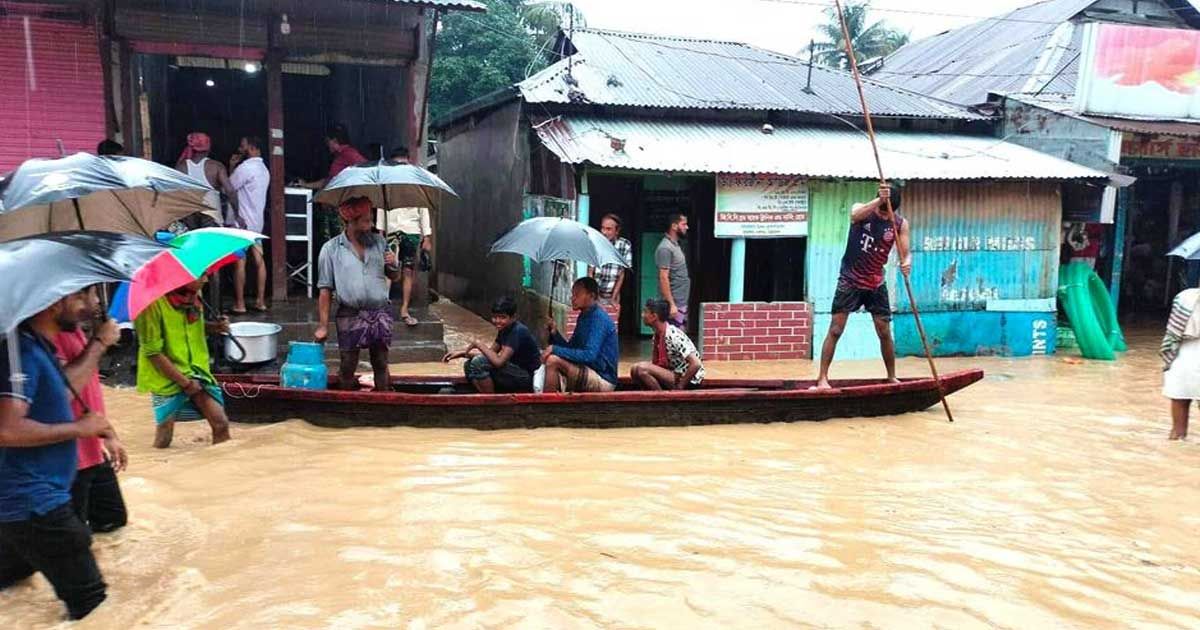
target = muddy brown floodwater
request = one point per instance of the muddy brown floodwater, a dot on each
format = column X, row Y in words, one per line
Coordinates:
column 1055, row 501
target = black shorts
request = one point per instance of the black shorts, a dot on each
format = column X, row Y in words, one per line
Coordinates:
column 849, row 298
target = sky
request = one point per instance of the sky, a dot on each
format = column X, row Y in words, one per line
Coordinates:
column 784, row 26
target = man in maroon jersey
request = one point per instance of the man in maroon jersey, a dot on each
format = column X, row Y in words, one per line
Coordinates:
column 860, row 285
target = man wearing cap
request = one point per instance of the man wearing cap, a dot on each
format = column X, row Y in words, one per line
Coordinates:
column 195, row 162
column 356, row 265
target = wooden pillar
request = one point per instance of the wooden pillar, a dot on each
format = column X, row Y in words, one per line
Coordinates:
column 278, row 227
column 416, row 91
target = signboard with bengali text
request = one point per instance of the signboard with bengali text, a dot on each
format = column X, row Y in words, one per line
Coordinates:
column 761, row 206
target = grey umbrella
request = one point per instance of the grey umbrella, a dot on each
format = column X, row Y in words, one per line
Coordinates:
column 109, row 193
column 1189, row 249
column 388, row 185
column 550, row 238
column 40, row 270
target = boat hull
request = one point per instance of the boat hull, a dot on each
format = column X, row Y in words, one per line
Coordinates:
column 417, row 403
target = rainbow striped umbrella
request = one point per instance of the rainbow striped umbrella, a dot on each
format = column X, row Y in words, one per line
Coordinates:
column 190, row 256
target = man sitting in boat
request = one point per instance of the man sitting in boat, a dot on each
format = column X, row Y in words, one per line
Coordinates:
column 676, row 363
column 356, row 265
column 588, row 362
column 508, row 364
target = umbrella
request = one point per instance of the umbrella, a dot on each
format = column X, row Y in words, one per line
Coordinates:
column 82, row 191
column 551, row 238
column 388, row 185
column 1189, row 249
column 41, row 270
column 186, row 258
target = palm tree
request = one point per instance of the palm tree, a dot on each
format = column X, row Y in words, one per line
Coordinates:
column 876, row 40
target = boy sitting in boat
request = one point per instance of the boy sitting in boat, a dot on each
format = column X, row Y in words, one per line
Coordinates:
column 588, row 362
column 173, row 365
column 676, row 363
column 508, row 364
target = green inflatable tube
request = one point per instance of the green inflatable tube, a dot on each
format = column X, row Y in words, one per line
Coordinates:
column 1091, row 313
column 1105, row 310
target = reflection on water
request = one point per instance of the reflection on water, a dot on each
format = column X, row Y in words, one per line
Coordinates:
column 1054, row 501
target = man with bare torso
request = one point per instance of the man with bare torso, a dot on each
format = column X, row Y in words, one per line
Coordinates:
column 195, row 161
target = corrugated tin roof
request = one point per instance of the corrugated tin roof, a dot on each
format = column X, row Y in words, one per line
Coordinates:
column 1065, row 104
column 1032, row 49
column 732, row 147
column 627, row 69
column 994, row 55
column 1163, row 127
column 459, row 5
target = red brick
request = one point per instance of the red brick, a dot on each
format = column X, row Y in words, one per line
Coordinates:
column 792, row 339
column 767, row 307
column 767, row 356
column 757, row 315
column 740, row 356
column 757, row 347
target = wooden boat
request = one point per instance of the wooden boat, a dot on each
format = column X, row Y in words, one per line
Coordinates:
column 429, row 401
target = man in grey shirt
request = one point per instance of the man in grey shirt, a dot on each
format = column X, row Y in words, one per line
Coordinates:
column 356, row 265
column 674, row 284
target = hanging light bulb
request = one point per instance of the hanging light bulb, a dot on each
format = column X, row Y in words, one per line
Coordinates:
column 210, row 83
column 251, row 67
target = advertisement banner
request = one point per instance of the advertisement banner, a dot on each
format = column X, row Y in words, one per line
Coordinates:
column 1139, row 71
column 761, row 206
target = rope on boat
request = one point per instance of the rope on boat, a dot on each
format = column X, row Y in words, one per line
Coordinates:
column 243, row 392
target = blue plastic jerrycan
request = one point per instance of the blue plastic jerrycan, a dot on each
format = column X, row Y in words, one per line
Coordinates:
column 305, row 367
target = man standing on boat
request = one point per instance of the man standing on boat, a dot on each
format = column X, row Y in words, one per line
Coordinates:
column 588, row 362
column 356, row 265
column 873, row 232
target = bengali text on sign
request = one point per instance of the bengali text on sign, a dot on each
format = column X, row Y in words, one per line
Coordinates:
column 761, row 206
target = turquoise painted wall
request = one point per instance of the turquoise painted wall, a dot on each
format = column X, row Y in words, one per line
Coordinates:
column 985, row 266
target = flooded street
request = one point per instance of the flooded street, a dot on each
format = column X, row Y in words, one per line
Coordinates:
column 1054, row 501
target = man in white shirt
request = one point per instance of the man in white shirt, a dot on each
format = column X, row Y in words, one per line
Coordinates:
column 250, row 181
column 409, row 234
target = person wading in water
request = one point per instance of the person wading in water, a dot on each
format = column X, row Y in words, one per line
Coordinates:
column 860, row 285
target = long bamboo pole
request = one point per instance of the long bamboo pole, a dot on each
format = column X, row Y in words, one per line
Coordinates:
column 862, row 97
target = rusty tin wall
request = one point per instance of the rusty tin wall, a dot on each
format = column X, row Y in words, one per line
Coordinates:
column 976, row 243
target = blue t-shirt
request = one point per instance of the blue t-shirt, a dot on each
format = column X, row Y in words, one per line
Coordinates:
column 594, row 343
column 36, row 480
column 526, row 353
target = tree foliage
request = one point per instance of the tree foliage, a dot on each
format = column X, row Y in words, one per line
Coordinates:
column 870, row 40
column 479, row 53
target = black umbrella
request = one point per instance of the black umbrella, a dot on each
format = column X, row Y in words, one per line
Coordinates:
column 82, row 191
column 41, row 270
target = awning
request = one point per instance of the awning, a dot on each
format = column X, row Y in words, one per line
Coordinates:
column 736, row 147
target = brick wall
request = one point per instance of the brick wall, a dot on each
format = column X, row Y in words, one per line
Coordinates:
column 573, row 316
column 756, row 331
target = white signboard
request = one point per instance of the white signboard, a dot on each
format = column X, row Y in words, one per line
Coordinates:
column 761, row 206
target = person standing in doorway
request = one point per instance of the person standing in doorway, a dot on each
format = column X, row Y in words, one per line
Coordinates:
column 250, row 182
column 611, row 277
column 356, row 265
column 410, row 236
column 674, row 283
column 194, row 161
column 337, row 140
column 873, row 232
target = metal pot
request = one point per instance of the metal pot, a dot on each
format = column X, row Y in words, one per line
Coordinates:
column 252, row 342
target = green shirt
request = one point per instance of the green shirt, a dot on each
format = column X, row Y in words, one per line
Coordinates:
column 164, row 329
